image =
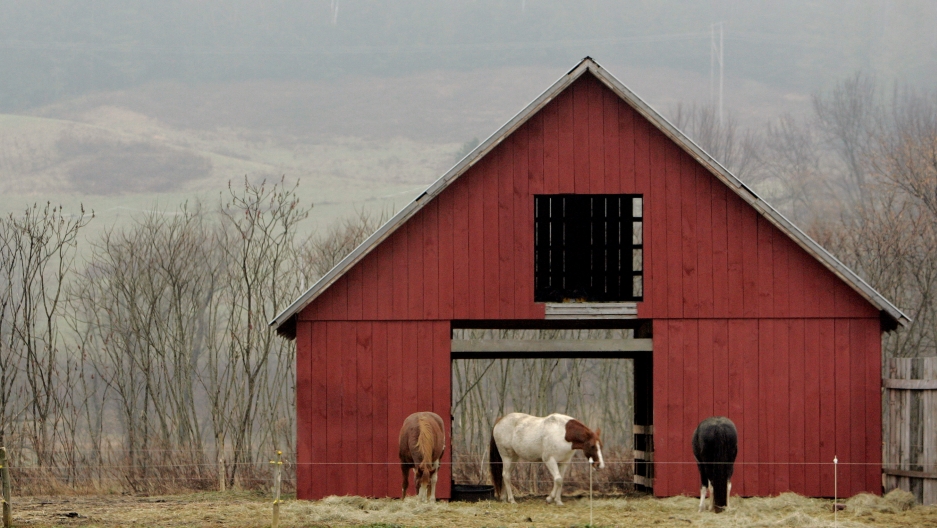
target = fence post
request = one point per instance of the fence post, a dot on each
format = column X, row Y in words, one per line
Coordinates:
column 5, row 480
column 277, row 465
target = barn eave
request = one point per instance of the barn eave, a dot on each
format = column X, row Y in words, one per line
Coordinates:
column 892, row 317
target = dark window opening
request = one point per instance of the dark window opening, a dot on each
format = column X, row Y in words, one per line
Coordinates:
column 588, row 247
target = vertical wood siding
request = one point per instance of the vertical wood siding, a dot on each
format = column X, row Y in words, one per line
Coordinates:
column 746, row 323
column 354, row 390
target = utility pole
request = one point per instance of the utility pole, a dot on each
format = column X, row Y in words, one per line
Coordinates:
column 716, row 56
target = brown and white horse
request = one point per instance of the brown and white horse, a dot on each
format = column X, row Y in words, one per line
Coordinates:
column 422, row 442
column 552, row 439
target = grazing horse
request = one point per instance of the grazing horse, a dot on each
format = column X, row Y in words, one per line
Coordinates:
column 553, row 440
column 422, row 442
column 715, row 445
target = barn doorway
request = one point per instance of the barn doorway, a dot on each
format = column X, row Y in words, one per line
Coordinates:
column 600, row 375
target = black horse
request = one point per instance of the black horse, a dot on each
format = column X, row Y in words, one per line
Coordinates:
column 715, row 445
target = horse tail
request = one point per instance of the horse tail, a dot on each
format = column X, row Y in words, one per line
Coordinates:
column 425, row 443
column 494, row 458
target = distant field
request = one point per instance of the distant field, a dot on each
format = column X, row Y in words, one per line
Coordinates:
column 353, row 143
column 254, row 510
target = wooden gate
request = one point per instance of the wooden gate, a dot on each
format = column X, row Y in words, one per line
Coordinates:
column 910, row 448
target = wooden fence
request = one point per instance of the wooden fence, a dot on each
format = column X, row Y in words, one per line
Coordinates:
column 910, row 447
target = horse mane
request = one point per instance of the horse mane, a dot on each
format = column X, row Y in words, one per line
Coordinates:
column 425, row 442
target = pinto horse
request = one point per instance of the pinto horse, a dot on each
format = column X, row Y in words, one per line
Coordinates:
column 552, row 439
column 422, row 442
column 715, row 445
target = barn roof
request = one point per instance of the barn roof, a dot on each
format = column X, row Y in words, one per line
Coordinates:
column 285, row 321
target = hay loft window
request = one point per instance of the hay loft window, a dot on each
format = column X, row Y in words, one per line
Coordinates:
column 588, row 248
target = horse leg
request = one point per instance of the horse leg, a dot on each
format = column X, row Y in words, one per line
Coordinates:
column 554, row 495
column 728, row 492
column 507, row 493
column 432, row 492
column 702, row 498
column 405, row 469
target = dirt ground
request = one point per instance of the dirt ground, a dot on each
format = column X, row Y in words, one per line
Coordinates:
column 251, row 509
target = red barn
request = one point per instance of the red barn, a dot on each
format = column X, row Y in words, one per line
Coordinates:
column 749, row 318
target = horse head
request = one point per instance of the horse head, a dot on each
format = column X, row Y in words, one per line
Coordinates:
column 589, row 441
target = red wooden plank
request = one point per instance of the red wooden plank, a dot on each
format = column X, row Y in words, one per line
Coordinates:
column 749, row 431
column 765, row 268
column 628, row 163
column 307, row 412
column 735, row 254
column 422, row 370
column 383, row 437
column 691, row 412
column 476, row 242
column 780, row 295
column 720, row 352
column 796, row 419
column 460, row 250
column 691, row 243
column 350, row 444
column 812, row 379
column 827, row 350
column 338, row 299
column 551, row 147
column 796, row 288
column 676, row 400
column 491, row 262
column 335, row 422
column 871, row 347
column 842, row 380
column 704, row 235
column 566, row 182
column 318, row 409
column 612, row 147
column 766, row 399
column 399, row 241
column 674, row 245
column 781, row 406
column 524, row 229
column 385, row 280
column 410, row 357
column 446, row 210
column 826, row 283
column 535, row 153
column 415, row 239
column 396, row 406
column 749, row 228
column 365, row 417
column 442, row 400
column 737, row 343
column 858, row 408
column 706, row 363
column 720, row 250
column 596, row 141
column 580, row 90
column 661, row 390
column 354, row 278
column 369, row 286
column 431, row 260
column 505, row 227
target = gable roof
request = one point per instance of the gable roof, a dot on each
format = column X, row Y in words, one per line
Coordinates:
column 285, row 321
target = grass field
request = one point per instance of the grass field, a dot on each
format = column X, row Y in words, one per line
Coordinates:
column 255, row 510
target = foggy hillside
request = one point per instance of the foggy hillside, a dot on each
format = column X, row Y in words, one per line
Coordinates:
column 123, row 105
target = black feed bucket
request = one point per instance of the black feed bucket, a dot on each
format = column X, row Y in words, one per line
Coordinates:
column 472, row 492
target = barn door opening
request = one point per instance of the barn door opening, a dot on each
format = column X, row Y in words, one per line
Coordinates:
column 599, row 376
